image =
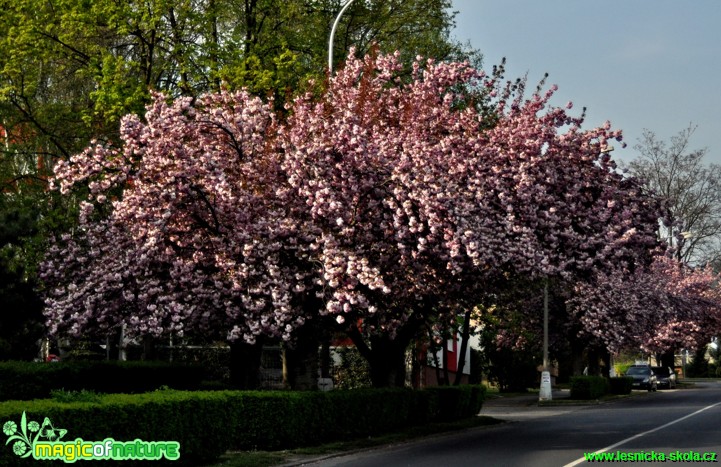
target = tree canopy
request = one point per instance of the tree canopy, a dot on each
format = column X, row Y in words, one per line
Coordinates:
column 667, row 306
column 382, row 202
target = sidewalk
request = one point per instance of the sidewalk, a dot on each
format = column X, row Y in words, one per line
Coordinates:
column 525, row 406
column 522, row 400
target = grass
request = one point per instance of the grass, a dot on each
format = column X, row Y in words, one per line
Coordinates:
column 61, row 395
column 274, row 458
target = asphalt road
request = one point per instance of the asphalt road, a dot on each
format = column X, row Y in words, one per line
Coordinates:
column 682, row 423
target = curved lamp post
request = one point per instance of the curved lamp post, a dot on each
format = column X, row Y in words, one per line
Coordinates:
column 332, row 34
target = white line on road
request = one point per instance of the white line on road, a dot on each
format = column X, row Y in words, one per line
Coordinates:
column 608, row 448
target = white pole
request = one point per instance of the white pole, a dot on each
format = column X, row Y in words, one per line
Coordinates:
column 332, row 34
column 545, row 393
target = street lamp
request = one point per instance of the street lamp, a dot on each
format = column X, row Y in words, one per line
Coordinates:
column 332, row 34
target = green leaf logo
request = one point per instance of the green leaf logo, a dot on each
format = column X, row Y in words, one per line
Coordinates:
column 24, row 436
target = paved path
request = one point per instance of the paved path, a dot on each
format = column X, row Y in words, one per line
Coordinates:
column 527, row 406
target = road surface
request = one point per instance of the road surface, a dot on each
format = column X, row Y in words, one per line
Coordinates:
column 682, row 423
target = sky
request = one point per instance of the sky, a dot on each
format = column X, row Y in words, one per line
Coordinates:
column 640, row 64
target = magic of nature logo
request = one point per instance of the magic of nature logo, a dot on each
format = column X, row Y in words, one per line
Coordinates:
column 45, row 442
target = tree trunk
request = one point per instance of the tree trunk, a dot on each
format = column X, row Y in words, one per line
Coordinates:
column 465, row 335
column 301, row 365
column 439, row 376
column 446, row 377
column 388, row 362
column 307, row 357
column 594, row 369
column 325, row 358
column 387, row 357
column 576, row 357
column 245, row 364
column 667, row 359
column 606, row 369
column 416, row 366
column 149, row 349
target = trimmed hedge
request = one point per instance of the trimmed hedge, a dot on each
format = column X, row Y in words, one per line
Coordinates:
column 198, row 422
column 588, row 387
column 208, row 423
column 456, row 402
column 33, row 380
column 593, row 387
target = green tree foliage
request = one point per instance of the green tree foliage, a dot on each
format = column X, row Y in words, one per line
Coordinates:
column 71, row 68
column 352, row 371
column 699, row 366
column 20, row 307
column 22, row 212
column 509, row 360
column 413, row 27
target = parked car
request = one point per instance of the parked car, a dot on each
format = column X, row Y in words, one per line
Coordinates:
column 665, row 376
column 643, row 377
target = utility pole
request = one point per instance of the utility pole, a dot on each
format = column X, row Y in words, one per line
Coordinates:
column 545, row 394
column 332, row 35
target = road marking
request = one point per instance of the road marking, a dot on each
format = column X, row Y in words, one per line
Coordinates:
column 613, row 446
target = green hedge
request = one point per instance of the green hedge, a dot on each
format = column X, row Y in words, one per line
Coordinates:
column 32, row 380
column 208, row 423
column 456, row 402
column 588, row 387
column 199, row 422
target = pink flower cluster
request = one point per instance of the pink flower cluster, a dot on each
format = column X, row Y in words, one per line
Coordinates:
column 664, row 307
column 198, row 237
